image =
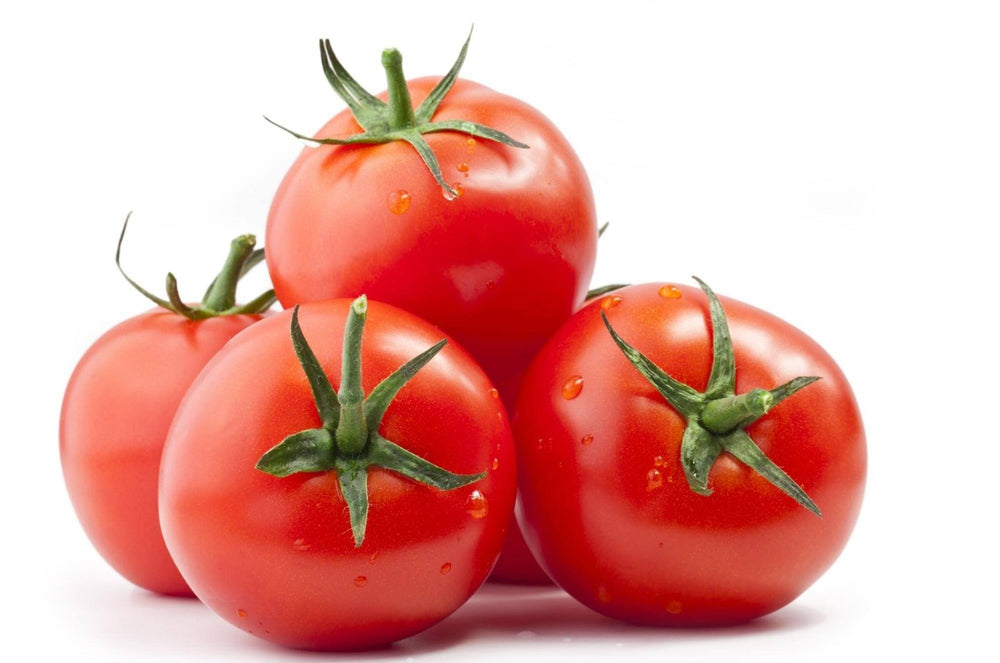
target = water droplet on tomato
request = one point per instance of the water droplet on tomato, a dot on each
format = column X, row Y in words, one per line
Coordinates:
column 371, row 560
column 399, row 201
column 611, row 301
column 670, row 292
column 463, row 167
column 241, row 613
column 500, row 417
column 675, row 607
column 494, row 393
column 459, row 190
column 572, row 387
column 470, row 145
column 653, row 479
column 360, row 581
column 476, row 505
column 496, row 463
column 603, row 594
column 658, row 461
column 586, row 439
column 301, row 545
column 445, row 568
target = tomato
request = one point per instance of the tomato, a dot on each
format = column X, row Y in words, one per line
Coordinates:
column 516, row 564
column 651, row 516
column 513, row 240
column 285, row 512
column 116, row 413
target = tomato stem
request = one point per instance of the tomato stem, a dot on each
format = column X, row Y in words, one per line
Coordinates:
column 717, row 416
column 349, row 441
column 221, row 294
column 400, row 106
column 397, row 120
column 220, row 298
column 352, row 430
column 724, row 415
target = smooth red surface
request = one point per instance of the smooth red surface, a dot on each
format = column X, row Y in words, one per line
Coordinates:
column 499, row 267
column 516, row 565
column 656, row 552
column 275, row 556
column 115, row 416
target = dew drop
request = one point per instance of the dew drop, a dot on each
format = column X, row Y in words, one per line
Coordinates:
column 463, row 167
column 470, row 145
column 371, row 560
column 496, row 463
column 586, row 439
column 360, row 581
column 674, row 607
column 459, row 190
column 301, row 545
column 653, row 479
column 603, row 595
column 670, row 292
column 494, row 393
column 445, row 568
column 241, row 613
column 611, row 301
column 658, row 461
column 476, row 504
column 572, row 387
column 500, row 417
column 399, row 201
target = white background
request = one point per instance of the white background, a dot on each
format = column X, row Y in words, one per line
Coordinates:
column 837, row 163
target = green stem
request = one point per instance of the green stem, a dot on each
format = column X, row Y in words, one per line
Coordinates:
column 724, row 415
column 400, row 106
column 222, row 295
column 352, row 430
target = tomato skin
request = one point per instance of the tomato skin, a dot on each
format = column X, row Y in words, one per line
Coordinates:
column 115, row 416
column 645, row 548
column 516, row 564
column 519, row 243
column 275, row 556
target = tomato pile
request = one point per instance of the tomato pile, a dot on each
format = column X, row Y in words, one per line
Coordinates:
column 342, row 474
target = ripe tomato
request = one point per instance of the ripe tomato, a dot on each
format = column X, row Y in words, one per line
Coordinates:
column 514, row 238
column 649, row 516
column 334, row 543
column 116, row 413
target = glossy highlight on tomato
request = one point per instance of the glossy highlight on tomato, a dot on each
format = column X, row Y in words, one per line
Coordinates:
column 275, row 555
column 604, row 500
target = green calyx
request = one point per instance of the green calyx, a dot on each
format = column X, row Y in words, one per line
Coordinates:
column 220, row 298
column 348, row 441
column 716, row 417
column 396, row 119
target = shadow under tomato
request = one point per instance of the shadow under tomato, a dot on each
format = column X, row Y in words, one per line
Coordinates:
column 501, row 615
column 496, row 616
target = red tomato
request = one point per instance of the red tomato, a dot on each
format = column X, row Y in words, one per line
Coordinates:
column 517, row 243
column 605, row 501
column 275, row 555
column 516, row 564
column 116, row 413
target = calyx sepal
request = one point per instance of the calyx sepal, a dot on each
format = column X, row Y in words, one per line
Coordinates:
column 220, row 297
column 716, row 417
column 348, row 442
column 383, row 122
